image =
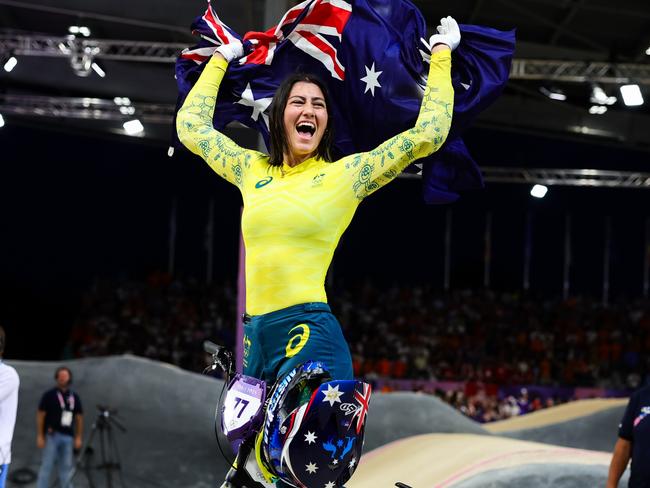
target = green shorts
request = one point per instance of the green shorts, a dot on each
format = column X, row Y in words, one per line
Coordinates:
column 277, row 342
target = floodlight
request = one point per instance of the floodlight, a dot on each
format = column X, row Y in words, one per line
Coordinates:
column 632, row 96
column 538, row 191
column 553, row 93
column 10, row 64
column 597, row 109
column 98, row 69
column 599, row 96
column 79, row 29
column 2, row 121
column 133, row 127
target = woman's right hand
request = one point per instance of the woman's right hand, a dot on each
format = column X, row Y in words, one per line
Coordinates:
column 231, row 51
column 40, row 441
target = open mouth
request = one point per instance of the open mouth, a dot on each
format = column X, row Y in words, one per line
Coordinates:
column 306, row 129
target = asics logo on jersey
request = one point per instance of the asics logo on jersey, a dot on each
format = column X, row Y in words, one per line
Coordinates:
column 264, row 182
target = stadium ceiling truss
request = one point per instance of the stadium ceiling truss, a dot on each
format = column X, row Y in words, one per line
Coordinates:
column 85, row 108
column 596, row 178
column 164, row 52
column 34, row 45
column 100, row 109
column 567, row 177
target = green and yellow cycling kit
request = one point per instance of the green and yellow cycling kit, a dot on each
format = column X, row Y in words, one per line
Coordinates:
column 294, row 216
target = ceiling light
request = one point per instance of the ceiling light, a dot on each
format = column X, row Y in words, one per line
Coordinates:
column 553, row 93
column 599, row 96
column 597, row 109
column 538, row 191
column 10, row 64
column 127, row 110
column 2, row 121
column 122, row 101
column 98, row 69
column 631, row 95
column 133, row 127
column 647, row 51
column 79, row 29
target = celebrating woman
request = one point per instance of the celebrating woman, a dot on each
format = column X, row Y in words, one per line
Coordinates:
column 298, row 202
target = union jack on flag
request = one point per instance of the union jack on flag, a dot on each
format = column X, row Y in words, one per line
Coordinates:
column 364, row 400
column 370, row 54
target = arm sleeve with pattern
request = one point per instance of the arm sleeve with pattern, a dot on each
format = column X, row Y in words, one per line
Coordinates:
column 371, row 170
column 196, row 132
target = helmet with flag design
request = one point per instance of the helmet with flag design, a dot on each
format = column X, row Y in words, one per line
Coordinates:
column 314, row 427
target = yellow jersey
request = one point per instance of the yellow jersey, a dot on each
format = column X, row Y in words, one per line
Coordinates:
column 294, row 216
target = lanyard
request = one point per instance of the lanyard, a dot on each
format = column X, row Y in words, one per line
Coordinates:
column 62, row 402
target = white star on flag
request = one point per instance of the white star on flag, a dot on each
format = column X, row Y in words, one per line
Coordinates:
column 259, row 106
column 311, row 468
column 332, row 395
column 371, row 79
column 310, row 437
column 330, row 485
column 352, row 463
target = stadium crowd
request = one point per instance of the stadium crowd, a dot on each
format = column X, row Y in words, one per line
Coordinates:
column 159, row 318
column 485, row 339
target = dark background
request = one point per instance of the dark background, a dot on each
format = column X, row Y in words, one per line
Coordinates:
column 75, row 207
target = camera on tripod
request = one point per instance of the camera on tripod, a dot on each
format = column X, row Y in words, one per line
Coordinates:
column 106, row 411
column 109, row 461
column 106, row 417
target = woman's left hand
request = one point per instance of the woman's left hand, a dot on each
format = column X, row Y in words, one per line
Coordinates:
column 448, row 33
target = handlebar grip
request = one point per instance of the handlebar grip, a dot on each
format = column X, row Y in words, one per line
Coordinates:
column 211, row 348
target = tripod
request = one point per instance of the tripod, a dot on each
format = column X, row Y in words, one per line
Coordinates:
column 110, row 456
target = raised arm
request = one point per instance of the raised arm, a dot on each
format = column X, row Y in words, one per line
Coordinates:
column 195, row 130
column 373, row 169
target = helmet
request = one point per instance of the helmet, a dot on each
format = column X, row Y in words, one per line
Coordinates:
column 313, row 429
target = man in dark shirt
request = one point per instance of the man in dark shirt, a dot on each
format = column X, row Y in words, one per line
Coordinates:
column 59, row 429
column 633, row 441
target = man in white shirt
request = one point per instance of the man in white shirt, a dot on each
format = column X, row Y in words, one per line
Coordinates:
column 9, row 383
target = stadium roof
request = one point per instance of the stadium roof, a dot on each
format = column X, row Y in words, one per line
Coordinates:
column 567, row 46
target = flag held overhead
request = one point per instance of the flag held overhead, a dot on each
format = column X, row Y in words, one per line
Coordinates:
column 370, row 54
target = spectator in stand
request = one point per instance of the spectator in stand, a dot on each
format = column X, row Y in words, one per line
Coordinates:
column 409, row 332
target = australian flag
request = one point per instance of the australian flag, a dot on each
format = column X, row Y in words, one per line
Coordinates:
column 372, row 56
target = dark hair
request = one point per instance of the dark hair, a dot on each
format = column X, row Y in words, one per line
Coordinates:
column 63, row 368
column 278, row 137
column 2, row 340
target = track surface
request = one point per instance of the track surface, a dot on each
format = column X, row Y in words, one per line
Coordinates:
column 413, row 438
